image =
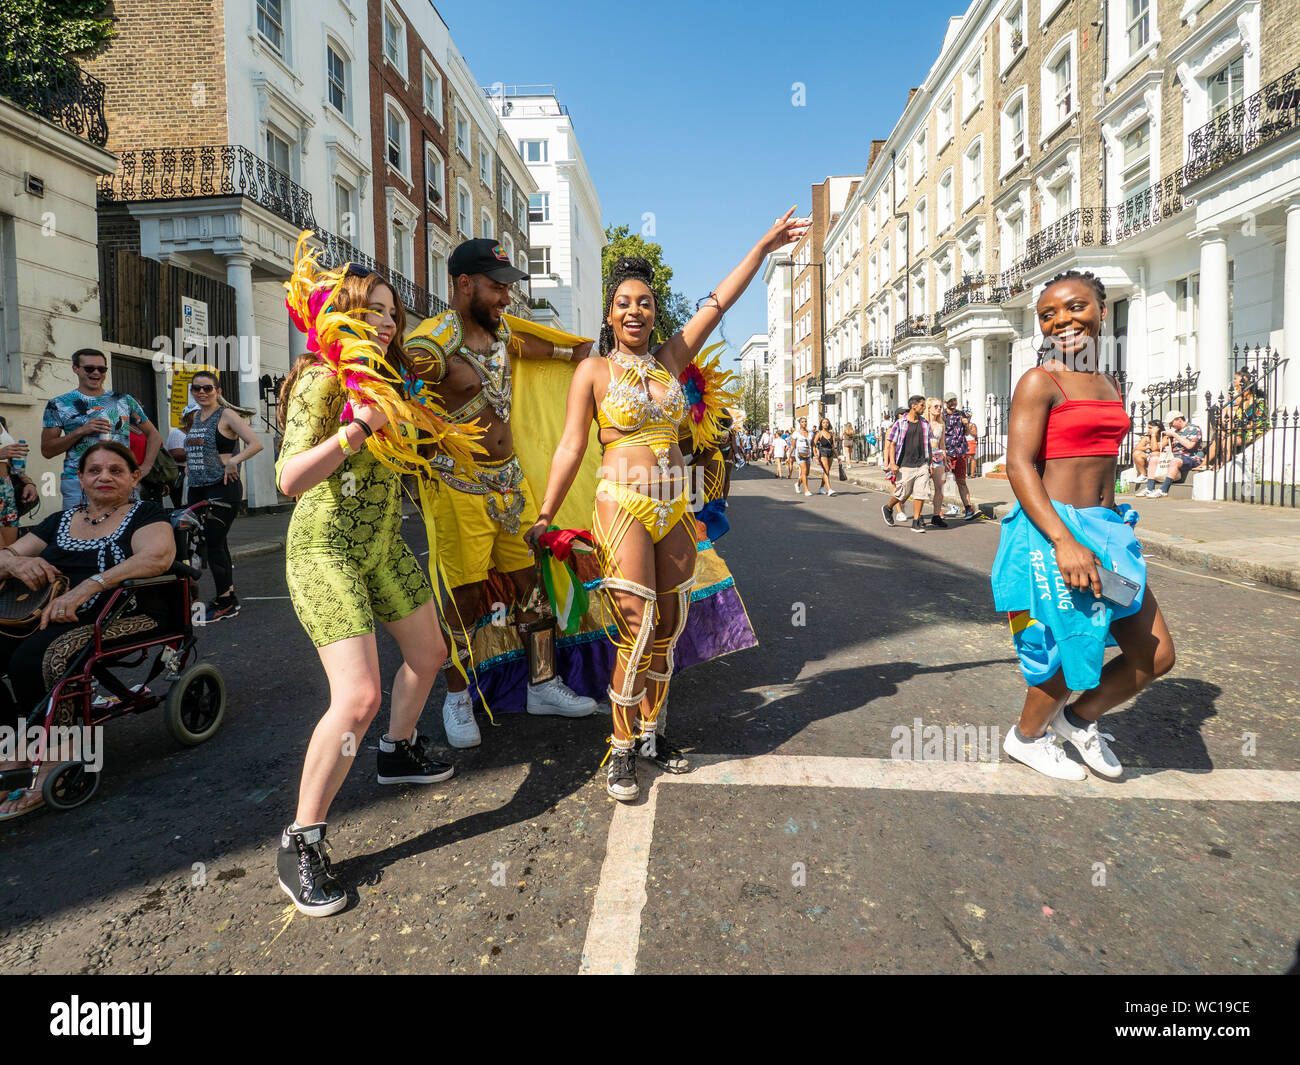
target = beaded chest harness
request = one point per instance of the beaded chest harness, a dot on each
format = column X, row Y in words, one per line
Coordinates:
column 629, row 407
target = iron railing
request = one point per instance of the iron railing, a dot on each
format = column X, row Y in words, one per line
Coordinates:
column 1252, row 449
column 878, row 351
column 992, row 430
column 918, row 325
column 209, row 170
column 972, row 288
column 64, row 94
column 848, row 366
column 1148, row 208
column 1257, row 120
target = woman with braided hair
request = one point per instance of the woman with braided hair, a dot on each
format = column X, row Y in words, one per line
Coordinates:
column 643, row 527
column 1066, row 425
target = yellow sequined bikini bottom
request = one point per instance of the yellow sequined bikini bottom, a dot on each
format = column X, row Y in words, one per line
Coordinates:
column 658, row 516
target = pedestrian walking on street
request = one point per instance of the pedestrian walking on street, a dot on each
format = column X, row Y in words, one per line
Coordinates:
column 824, row 439
column 907, row 457
column 1069, row 570
column 959, row 432
column 346, row 562
column 801, row 442
column 778, row 449
column 212, row 466
column 848, row 439
column 938, row 457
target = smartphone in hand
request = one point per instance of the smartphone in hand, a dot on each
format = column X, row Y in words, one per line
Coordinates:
column 1119, row 590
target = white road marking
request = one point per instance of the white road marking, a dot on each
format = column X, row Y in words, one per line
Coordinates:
column 614, row 932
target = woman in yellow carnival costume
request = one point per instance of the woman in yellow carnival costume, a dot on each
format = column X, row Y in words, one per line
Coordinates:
column 353, row 424
column 644, row 531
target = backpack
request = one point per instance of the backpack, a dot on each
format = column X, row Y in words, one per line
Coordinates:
column 164, row 471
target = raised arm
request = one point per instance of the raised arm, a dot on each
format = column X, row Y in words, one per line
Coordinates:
column 537, row 348
column 1026, row 425
column 677, row 354
column 578, row 415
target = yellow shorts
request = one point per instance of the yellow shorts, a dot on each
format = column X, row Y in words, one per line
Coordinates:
column 658, row 516
column 477, row 531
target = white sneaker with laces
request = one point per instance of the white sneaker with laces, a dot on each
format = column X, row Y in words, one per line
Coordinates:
column 1044, row 754
column 1091, row 744
column 555, row 698
column 809, row 494
column 458, row 720
column 830, row 491
column 821, row 491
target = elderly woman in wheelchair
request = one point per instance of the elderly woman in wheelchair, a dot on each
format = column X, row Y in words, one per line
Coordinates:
column 75, row 559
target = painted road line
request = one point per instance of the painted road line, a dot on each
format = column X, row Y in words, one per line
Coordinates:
column 614, row 931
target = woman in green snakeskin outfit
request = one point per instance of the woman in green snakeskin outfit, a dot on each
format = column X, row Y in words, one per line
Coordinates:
column 346, row 564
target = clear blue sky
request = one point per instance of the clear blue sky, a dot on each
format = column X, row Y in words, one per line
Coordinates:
column 684, row 109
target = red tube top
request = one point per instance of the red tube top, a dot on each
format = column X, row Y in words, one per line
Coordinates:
column 1083, row 427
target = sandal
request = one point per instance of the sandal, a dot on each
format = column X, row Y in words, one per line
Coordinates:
column 34, row 794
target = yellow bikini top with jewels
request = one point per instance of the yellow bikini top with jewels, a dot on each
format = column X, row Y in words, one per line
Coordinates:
column 629, row 407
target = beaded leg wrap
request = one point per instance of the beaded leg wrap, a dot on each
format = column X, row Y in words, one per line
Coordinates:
column 631, row 641
column 458, row 652
column 662, row 657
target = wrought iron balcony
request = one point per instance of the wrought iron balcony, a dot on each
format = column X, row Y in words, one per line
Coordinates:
column 972, row 288
column 875, row 352
column 847, row 367
column 919, row 325
column 65, row 95
column 1148, row 208
column 418, row 302
column 1256, row 121
column 209, row 170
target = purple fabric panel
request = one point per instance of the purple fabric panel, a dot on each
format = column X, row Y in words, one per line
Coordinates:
column 715, row 626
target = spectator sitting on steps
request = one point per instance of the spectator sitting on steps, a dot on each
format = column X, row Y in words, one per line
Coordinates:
column 1185, row 440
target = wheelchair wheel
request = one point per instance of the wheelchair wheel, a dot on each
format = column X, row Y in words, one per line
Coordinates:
column 196, row 704
column 69, row 786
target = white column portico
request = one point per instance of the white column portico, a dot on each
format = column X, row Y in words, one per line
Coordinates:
column 1213, row 341
column 260, row 478
column 952, row 372
column 1291, row 307
column 978, row 382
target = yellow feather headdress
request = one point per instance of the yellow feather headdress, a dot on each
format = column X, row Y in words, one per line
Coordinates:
column 708, row 394
column 369, row 379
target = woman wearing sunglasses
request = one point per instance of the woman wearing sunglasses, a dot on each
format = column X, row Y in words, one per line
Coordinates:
column 212, row 466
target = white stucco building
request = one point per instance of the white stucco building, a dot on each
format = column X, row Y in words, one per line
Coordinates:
column 780, row 362
column 753, row 355
column 565, row 228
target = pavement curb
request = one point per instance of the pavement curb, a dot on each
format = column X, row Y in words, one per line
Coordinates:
column 1161, row 545
column 256, row 548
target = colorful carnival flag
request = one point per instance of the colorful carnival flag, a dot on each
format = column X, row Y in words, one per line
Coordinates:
column 567, row 595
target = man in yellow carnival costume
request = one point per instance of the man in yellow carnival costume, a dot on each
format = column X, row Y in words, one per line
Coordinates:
column 481, row 510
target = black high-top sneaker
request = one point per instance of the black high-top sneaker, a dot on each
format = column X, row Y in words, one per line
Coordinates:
column 411, row 763
column 654, row 747
column 620, row 783
column 305, row 873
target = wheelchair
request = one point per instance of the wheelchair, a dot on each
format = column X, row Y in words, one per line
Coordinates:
column 195, row 701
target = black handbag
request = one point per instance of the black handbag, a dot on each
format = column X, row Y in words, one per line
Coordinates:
column 21, row 607
column 23, row 508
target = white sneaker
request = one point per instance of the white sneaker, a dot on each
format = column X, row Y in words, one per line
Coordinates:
column 821, row 491
column 830, row 491
column 555, row 698
column 1044, row 754
column 1141, row 492
column 1157, row 494
column 809, row 494
column 1091, row 744
column 458, row 720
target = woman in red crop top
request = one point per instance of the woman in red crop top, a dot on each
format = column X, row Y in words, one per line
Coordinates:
column 1066, row 423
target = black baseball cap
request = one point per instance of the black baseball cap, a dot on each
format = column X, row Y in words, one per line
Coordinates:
column 483, row 255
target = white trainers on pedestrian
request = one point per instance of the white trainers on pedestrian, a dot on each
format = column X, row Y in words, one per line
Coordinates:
column 830, row 491
column 1044, row 754
column 555, row 698
column 458, row 720
column 1091, row 744
column 821, row 491
column 806, row 492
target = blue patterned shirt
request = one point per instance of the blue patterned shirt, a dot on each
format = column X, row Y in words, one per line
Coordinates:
column 74, row 409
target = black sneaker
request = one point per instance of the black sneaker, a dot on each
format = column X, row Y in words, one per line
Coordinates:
column 226, row 606
column 888, row 513
column 938, row 522
column 305, row 873
column 412, row 763
column 620, row 782
column 918, row 525
column 656, row 748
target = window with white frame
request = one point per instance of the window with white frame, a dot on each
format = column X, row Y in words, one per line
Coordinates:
column 270, row 24
column 485, row 223
column 395, row 39
column 1059, row 200
column 1187, row 301
column 539, row 207
column 972, row 87
column 919, row 157
column 1013, row 231
column 279, row 154
column 438, row 272
column 521, row 213
column 336, row 79
column 885, row 262
column 972, row 254
column 944, row 121
column 855, row 235
column 920, row 231
column 396, row 138
column 507, row 195
column 435, row 177
column 942, row 278
column 871, row 225
column 1135, row 160
column 1014, row 137
column 462, row 131
column 918, row 294
column 900, row 180
column 539, row 262
column 535, row 151
column 522, row 262
column 1225, row 88
column 945, row 200
column 485, row 166
column 900, row 251
column 400, row 244
column 873, row 267
column 1012, row 31
column 345, row 211
column 973, row 173
column 1059, row 98
column 1137, row 24
column 432, row 89
column 464, row 210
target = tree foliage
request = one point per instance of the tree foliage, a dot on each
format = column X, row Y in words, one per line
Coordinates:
column 672, row 309
column 753, row 399
column 53, row 34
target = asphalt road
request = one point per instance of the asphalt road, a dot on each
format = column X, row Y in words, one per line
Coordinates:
column 822, row 854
